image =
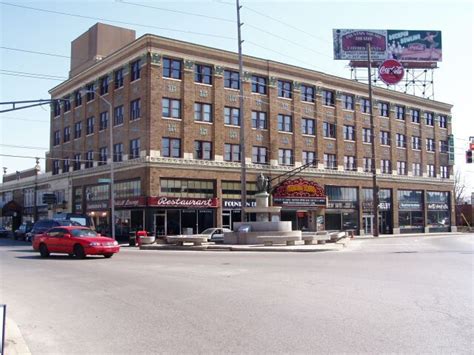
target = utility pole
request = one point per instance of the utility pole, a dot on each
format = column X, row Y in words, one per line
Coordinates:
column 375, row 196
column 243, row 200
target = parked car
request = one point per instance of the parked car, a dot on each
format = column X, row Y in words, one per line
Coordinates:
column 215, row 234
column 24, row 228
column 44, row 224
column 76, row 241
column 4, row 233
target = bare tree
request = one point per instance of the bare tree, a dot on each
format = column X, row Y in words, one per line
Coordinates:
column 459, row 187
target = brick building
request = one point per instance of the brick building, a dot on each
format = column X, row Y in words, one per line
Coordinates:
column 174, row 111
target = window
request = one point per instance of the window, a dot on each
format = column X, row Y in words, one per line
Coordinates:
column 90, row 92
column 56, row 108
column 171, row 68
column 103, row 119
column 429, row 118
column 187, row 188
column 231, row 79
column 430, row 145
column 259, row 84
column 77, row 162
column 231, row 152
column 259, row 155
column 284, row 89
column 400, row 112
column 57, row 138
column 443, row 146
column 285, row 123
column 104, row 85
column 366, row 135
column 368, row 165
column 232, row 116
column 202, row 150
column 347, row 102
column 134, row 152
column 349, row 133
column 401, row 167
column 135, row 70
column 118, row 152
column 415, row 116
column 285, row 157
column 430, row 169
column 443, row 121
column 259, row 120
column 67, row 104
column 384, row 108
column 103, row 155
column 416, row 169
column 77, row 130
column 118, row 115
column 66, row 165
column 349, row 163
column 55, row 167
column 384, row 138
column 67, row 134
column 386, row 166
column 171, row 108
column 401, row 140
column 307, row 126
column 364, row 105
column 118, row 78
column 171, row 147
column 444, row 172
column 89, row 159
column 77, row 98
column 203, row 74
column 90, row 125
column 307, row 93
column 328, row 97
column 329, row 130
column 135, row 109
column 330, row 161
column 308, row 157
column 202, row 112
column 416, row 143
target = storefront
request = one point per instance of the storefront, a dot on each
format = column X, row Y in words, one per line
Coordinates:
column 438, row 218
column 410, row 211
column 342, row 209
column 232, row 202
column 385, row 211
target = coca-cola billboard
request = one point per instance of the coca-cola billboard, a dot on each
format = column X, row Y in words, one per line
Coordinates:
column 391, row 72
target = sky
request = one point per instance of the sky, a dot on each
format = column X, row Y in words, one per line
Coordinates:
column 36, row 36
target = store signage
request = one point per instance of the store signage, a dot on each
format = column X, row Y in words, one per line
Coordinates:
column 299, row 192
column 391, row 72
column 183, row 202
column 131, row 202
column 438, row 206
column 410, row 206
column 97, row 205
column 383, row 206
column 237, row 203
column 342, row 205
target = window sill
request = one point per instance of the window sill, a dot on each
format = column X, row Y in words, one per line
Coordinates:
column 172, row 118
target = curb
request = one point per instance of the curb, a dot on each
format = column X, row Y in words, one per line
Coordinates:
column 14, row 341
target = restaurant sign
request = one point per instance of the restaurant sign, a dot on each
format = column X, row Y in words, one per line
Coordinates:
column 131, row 202
column 162, row 201
column 299, row 193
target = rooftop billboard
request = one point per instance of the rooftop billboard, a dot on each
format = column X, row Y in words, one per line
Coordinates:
column 402, row 45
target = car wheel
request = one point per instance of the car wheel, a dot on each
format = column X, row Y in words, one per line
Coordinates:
column 79, row 252
column 71, row 255
column 44, row 252
column 107, row 256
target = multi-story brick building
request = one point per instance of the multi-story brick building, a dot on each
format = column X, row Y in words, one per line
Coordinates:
column 174, row 111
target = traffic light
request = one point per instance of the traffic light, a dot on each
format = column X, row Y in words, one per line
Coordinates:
column 469, row 156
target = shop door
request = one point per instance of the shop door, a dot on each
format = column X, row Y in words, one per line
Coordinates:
column 226, row 219
column 160, row 224
column 367, row 223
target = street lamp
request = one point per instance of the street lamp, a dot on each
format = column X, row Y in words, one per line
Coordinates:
column 35, row 203
column 111, row 147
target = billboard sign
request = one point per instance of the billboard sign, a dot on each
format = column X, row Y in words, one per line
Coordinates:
column 402, row 45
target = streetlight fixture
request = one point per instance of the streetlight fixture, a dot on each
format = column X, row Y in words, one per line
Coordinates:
column 35, row 203
column 111, row 154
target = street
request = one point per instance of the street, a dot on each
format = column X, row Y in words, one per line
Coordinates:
column 386, row 295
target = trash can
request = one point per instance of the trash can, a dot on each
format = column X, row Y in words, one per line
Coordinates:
column 132, row 238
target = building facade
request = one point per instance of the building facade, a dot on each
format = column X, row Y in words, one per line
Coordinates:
column 174, row 111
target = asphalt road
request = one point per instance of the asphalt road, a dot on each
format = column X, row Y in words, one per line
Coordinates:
column 387, row 295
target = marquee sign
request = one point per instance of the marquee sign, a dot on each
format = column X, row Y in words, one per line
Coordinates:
column 299, row 193
column 163, row 201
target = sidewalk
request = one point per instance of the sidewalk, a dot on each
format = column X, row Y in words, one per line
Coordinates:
column 14, row 342
column 411, row 235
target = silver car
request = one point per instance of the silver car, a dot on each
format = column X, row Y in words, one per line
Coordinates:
column 215, row 234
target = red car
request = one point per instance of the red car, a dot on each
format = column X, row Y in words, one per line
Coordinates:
column 75, row 241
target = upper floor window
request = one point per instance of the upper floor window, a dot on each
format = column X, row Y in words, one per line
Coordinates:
column 386, row 166
column 401, row 140
column 57, row 138
column 135, row 106
column 430, row 169
column 171, row 108
column 416, row 143
column 400, row 112
column 172, row 68
column 77, row 161
column 328, row 97
column 430, row 144
column 67, row 134
column 415, row 115
column 56, row 108
column 329, row 130
column 259, row 120
column 104, row 85
column 171, row 147
column 367, row 165
column 349, row 133
column 103, row 152
column 77, row 98
column 307, row 126
column 285, row 123
column 348, row 101
column 118, row 152
column 307, row 93
column 443, row 121
column 259, row 155
column 330, row 161
column 77, row 130
column 366, row 135
column 231, row 79
column 285, row 156
column 202, row 112
column 429, row 118
column 202, row 150
column 89, row 159
column 135, row 70
column 384, row 138
column 90, row 92
column 232, row 116
column 231, row 152
column 118, row 115
column 308, row 157
column 444, row 172
column 384, row 109
column 285, row 89
column 103, row 120
column 203, row 74
column 67, row 104
column 401, row 167
column 55, row 167
column 66, row 165
column 416, row 169
column 90, row 125
column 364, row 105
column 349, row 163
column 118, row 78
column 134, row 149
column 443, row 146
column 259, row 84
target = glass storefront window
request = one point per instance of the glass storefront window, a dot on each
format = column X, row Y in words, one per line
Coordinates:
column 232, row 189
column 187, row 188
column 336, row 193
column 127, row 189
column 410, row 215
column 438, row 211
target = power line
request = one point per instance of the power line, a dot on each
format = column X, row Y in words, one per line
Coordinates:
column 34, row 52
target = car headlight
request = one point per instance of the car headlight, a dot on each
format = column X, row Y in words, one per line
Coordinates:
column 115, row 243
column 94, row 244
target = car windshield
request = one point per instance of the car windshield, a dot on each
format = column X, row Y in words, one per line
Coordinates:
column 68, row 223
column 208, row 231
column 83, row 233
